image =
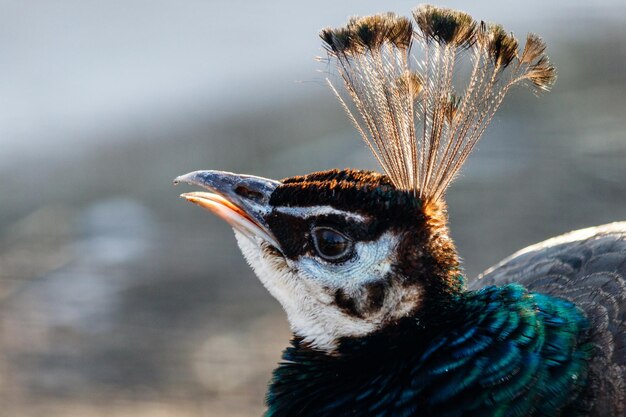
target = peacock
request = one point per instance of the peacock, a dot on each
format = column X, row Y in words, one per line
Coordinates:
column 384, row 321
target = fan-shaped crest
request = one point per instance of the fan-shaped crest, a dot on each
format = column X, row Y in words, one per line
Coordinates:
column 424, row 94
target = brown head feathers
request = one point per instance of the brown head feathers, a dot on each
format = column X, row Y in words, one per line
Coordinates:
column 425, row 92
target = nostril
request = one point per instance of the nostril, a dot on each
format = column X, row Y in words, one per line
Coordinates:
column 245, row 192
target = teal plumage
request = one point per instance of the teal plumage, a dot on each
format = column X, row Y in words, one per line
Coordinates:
column 588, row 268
column 497, row 351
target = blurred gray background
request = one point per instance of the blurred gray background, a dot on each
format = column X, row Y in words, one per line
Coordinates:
column 119, row 299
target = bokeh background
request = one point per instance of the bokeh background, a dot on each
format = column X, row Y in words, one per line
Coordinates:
column 119, row 299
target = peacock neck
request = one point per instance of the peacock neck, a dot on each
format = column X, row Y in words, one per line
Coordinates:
column 498, row 351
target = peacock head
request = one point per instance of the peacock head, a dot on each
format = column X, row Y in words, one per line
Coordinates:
column 345, row 252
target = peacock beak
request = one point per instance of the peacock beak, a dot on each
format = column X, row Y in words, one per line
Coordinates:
column 241, row 200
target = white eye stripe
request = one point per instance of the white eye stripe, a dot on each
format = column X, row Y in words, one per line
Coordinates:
column 306, row 212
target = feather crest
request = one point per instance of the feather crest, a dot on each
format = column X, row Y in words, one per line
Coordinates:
column 424, row 97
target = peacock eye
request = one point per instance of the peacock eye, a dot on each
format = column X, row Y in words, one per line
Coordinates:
column 331, row 244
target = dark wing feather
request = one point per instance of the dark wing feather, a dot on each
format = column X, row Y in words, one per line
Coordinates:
column 588, row 267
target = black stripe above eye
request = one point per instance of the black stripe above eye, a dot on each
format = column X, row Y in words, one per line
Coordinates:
column 293, row 233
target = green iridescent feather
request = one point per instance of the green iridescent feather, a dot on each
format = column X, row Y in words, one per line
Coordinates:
column 498, row 351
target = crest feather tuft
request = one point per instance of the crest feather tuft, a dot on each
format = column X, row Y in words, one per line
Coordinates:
column 422, row 99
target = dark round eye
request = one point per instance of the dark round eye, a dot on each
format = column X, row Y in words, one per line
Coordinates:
column 331, row 244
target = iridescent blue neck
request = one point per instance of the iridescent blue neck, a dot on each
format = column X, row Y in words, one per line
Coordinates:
column 498, row 351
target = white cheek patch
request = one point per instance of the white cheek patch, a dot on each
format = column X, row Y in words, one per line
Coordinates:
column 306, row 212
column 302, row 288
column 309, row 309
